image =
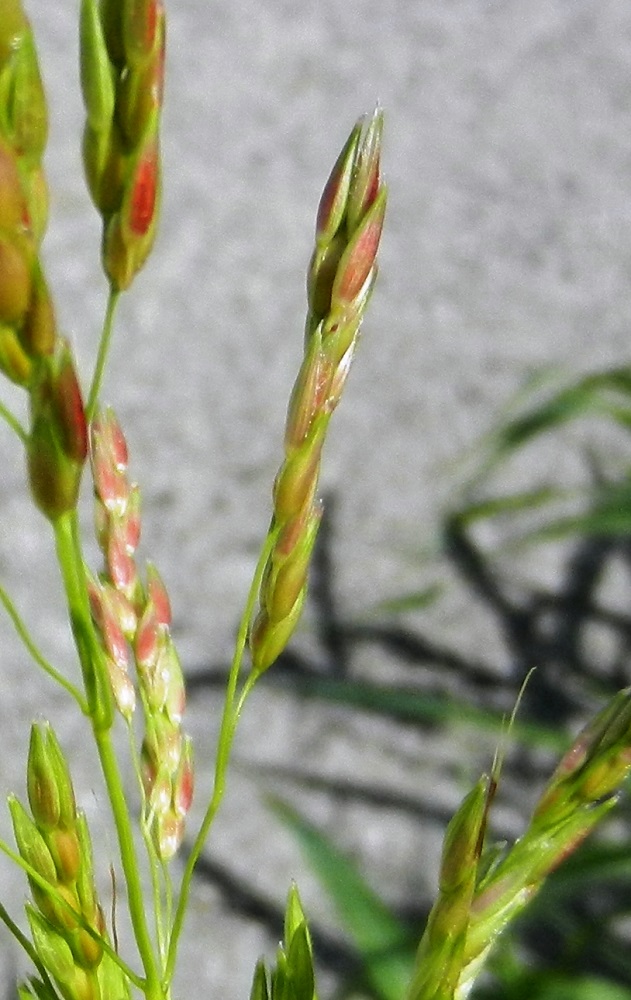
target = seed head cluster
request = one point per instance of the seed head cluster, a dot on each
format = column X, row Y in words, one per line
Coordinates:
column 32, row 354
column 122, row 74
column 133, row 619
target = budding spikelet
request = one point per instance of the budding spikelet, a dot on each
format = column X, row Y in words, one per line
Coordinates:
column 57, row 444
column 67, row 925
column 440, row 954
column 27, row 323
column 340, row 279
column 474, row 906
column 292, row 974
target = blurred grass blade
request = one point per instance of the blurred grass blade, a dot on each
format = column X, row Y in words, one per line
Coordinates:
column 413, row 706
column 591, row 394
column 512, row 503
column 595, row 862
column 383, row 942
column 609, row 515
column 416, row 600
column 555, row 987
column 604, row 394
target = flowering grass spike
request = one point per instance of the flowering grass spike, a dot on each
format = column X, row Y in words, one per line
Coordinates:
column 341, row 276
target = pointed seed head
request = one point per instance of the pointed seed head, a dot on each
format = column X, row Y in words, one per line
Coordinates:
column 31, row 843
column 49, row 785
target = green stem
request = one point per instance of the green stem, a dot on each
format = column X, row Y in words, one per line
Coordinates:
column 135, row 899
column 13, row 423
column 154, row 861
column 35, row 653
column 229, row 719
column 99, row 700
column 101, row 360
column 91, row 656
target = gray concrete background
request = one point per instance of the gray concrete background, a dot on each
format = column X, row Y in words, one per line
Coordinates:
column 508, row 246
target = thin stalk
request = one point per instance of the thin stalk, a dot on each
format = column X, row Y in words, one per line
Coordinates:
column 152, row 986
column 13, row 422
column 89, row 651
column 168, row 908
column 37, row 656
column 101, row 359
column 101, row 716
column 154, row 862
column 229, row 719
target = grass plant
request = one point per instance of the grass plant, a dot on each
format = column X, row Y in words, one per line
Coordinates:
column 128, row 675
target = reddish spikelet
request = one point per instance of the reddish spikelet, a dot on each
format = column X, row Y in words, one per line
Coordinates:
column 184, row 782
column 115, row 623
column 121, row 566
column 129, row 527
column 158, row 595
column 359, row 258
column 108, row 457
column 58, row 439
column 116, row 443
column 70, row 411
column 332, row 206
column 147, row 642
column 140, row 24
column 366, row 181
column 144, row 191
column 112, row 632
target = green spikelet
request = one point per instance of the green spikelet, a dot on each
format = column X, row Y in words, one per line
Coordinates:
column 292, row 977
column 67, row 924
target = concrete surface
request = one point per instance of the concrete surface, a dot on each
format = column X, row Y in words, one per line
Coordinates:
column 508, row 246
